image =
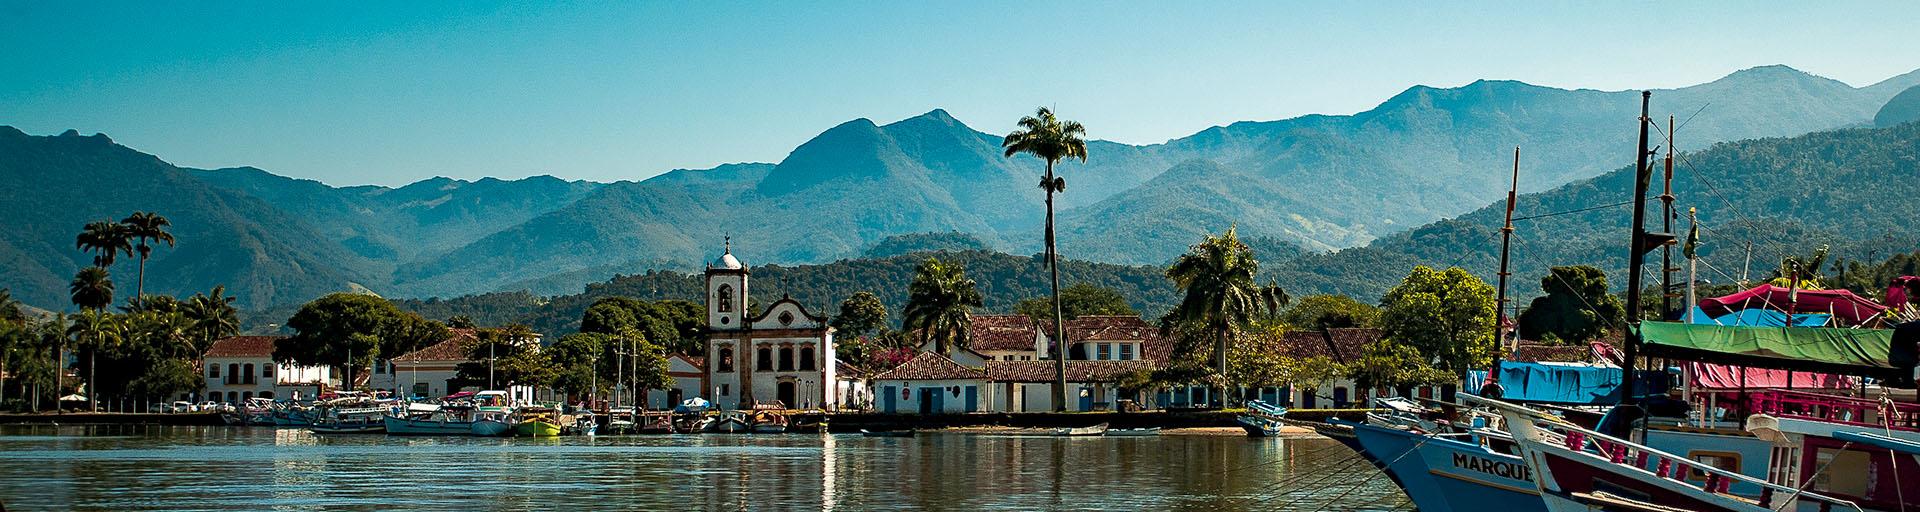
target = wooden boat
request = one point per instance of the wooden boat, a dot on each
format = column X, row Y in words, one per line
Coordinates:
column 655, row 422
column 1096, row 430
column 425, row 419
column 1257, row 426
column 490, row 424
column 536, row 422
column 731, row 422
column 768, row 422
column 1134, row 432
column 361, row 420
column 886, row 433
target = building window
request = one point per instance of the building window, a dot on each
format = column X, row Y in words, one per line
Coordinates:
column 723, row 302
column 249, row 373
column 233, row 396
column 1126, row 351
column 419, row 389
column 765, row 358
column 213, row 371
column 266, row 371
column 786, row 358
column 806, row 358
column 726, row 360
column 266, row 394
column 1105, row 350
column 233, row 374
column 246, row 395
column 380, row 366
column 725, row 389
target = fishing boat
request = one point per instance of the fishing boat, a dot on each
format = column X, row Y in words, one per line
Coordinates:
column 1093, row 431
column 1134, row 432
column 351, row 420
column 430, row 419
column 581, row 423
column 490, row 423
column 768, row 422
column 886, row 433
column 730, row 422
column 536, row 421
column 622, row 421
column 1262, row 419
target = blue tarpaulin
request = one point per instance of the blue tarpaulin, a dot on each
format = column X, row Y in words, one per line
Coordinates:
column 1567, row 384
column 1760, row 318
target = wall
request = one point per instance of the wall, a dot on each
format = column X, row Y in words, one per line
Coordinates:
column 907, row 395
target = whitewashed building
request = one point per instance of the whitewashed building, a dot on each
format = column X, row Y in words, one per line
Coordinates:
column 689, row 380
column 432, row 371
column 237, row 368
column 784, row 355
column 930, row 383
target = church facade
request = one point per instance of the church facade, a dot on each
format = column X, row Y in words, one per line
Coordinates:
column 785, row 354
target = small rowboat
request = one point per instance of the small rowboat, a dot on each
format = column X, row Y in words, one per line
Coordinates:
column 1095, row 430
column 1134, row 432
column 886, row 433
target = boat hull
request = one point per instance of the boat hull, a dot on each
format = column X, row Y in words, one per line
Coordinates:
column 536, row 429
column 1445, row 475
column 370, row 428
column 729, row 426
column 1566, row 476
column 489, row 428
column 411, row 427
column 1258, row 427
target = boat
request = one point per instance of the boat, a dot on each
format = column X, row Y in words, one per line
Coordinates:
column 490, row 423
column 536, row 421
column 429, row 419
column 1262, row 419
column 1096, row 430
column 1579, row 469
column 1134, row 432
column 622, row 421
column 886, row 433
column 768, row 422
column 351, row 420
column 581, row 423
column 1447, row 472
column 730, row 422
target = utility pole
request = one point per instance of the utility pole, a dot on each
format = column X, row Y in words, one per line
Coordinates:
column 1642, row 243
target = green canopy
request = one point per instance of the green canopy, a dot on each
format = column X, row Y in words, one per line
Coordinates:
column 1817, row 349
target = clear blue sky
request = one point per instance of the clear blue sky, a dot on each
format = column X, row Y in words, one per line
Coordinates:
column 391, row 92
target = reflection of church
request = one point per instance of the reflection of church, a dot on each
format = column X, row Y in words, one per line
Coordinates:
column 785, row 354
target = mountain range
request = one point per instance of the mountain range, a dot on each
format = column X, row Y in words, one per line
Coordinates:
column 1308, row 184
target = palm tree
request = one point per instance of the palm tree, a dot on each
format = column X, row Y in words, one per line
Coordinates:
column 939, row 303
column 95, row 329
column 146, row 227
column 10, row 308
column 1221, row 297
column 213, row 317
column 1051, row 139
column 92, row 288
column 105, row 239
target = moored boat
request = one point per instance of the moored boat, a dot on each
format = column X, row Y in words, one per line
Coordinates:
column 427, row 419
column 1134, row 432
column 490, row 424
column 730, row 422
column 768, row 422
column 535, row 421
column 1092, row 431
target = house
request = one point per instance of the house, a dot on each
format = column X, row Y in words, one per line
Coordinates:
column 1006, row 338
column 689, row 378
column 784, row 355
column 855, row 386
column 432, row 371
column 1027, row 386
column 929, row 383
column 1011, row 354
column 238, row 368
column 1342, row 345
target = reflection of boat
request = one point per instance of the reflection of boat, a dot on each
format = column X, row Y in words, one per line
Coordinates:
column 1134, row 432
column 1082, row 431
column 536, row 421
column 768, row 422
column 730, row 422
column 886, row 433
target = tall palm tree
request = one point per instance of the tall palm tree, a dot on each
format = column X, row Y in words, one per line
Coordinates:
column 1221, row 296
column 213, row 317
column 1052, row 140
column 939, row 302
column 92, row 288
column 95, row 329
column 105, row 239
column 10, row 308
column 146, row 227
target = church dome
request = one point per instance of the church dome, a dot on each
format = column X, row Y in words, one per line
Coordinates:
column 727, row 261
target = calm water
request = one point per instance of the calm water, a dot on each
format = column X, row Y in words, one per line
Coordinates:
column 122, row 468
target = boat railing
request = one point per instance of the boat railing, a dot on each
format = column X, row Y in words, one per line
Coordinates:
column 1665, row 466
column 1844, row 410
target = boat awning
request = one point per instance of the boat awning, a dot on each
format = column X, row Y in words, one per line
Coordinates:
column 1816, row 349
column 1566, row 384
column 1760, row 318
column 1870, row 438
column 1841, row 303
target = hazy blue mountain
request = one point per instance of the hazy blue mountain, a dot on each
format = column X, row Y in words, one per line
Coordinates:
column 57, row 184
column 1852, row 189
column 1903, row 108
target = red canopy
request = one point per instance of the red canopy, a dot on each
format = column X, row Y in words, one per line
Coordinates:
column 1707, row 376
column 1839, row 303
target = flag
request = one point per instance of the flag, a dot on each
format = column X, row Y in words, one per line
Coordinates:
column 1693, row 238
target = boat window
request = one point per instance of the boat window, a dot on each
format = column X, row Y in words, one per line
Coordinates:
column 1851, row 483
column 764, row 358
column 806, row 358
column 786, row 359
column 726, row 360
column 1728, row 461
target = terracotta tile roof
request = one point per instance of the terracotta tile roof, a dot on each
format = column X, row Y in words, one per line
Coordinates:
column 1119, row 328
column 1077, row 371
column 454, row 348
column 1348, row 343
column 243, row 346
column 930, row 366
column 1003, row 332
column 845, row 369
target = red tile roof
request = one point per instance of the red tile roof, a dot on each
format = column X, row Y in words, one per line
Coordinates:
column 844, row 369
column 454, row 348
column 1347, row 343
column 1003, row 332
column 930, row 366
column 1077, row 371
column 1119, row 328
column 243, row 346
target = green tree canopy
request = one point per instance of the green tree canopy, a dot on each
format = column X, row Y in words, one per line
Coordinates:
column 575, row 358
column 511, row 355
column 1330, row 311
column 939, row 305
column 1446, row 315
column 860, row 314
column 676, row 325
column 329, row 328
column 1575, row 309
column 92, row 288
column 1392, row 365
column 1221, row 297
column 1077, row 300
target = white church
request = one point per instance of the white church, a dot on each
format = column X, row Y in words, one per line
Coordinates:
column 784, row 355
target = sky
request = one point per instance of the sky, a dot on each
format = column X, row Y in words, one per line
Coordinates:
column 392, row 92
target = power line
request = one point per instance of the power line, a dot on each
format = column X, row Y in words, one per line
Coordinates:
column 1587, row 209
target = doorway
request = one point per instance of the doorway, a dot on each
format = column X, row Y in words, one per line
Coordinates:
column 787, row 394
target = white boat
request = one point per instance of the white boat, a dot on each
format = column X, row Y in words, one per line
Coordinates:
column 1095, row 430
column 1134, row 432
column 731, row 422
column 430, row 419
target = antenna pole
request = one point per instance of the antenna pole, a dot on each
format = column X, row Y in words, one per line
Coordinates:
column 1491, row 388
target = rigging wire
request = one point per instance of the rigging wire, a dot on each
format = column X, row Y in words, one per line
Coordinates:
column 1587, row 209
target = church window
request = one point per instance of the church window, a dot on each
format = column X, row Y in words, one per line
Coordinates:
column 786, row 318
column 764, row 358
column 726, row 360
column 786, row 358
column 724, row 301
column 806, row 358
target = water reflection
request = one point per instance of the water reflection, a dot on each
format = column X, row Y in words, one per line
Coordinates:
column 134, row 467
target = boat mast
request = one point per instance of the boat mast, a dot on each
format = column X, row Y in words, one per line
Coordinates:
column 1666, row 226
column 1491, row 388
column 1642, row 242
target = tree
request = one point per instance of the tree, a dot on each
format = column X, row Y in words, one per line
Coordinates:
column 1327, row 311
column 939, row 305
column 213, row 317
column 508, row 355
column 1077, row 300
column 1575, row 309
column 96, row 330
column 1388, row 364
column 146, row 227
column 10, row 308
column 1220, row 295
column 1047, row 137
column 1446, row 315
column 329, row 329
column 576, row 359
column 676, row 325
column 860, row 314
column 105, row 239
column 92, row 288
column 460, row 322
